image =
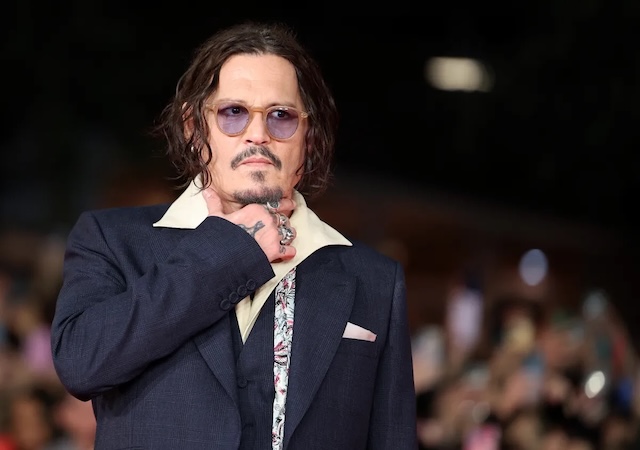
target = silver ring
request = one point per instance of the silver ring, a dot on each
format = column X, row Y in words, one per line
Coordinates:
column 272, row 206
column 282, row 219
column 287, row 235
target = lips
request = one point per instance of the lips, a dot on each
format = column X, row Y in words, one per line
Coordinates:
column 256, row 161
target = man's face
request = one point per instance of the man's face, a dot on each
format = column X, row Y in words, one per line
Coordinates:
column 253, row 167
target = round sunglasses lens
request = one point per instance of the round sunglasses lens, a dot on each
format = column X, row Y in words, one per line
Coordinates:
column 232, row 119
column 282, row 123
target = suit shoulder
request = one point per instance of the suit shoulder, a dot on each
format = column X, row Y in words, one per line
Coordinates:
column 368, row 255
column 117, row 224
column 147, row 212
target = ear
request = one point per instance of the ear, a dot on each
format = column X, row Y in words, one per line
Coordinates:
column 187, row 120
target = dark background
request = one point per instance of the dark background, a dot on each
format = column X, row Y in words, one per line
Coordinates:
column 557, row 135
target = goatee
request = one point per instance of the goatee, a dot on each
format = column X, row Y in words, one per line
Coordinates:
column 262, row 195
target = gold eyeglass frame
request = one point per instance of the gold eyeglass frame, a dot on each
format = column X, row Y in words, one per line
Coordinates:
column 213, row 107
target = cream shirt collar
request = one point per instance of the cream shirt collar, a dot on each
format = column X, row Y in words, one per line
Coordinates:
column 190, row 209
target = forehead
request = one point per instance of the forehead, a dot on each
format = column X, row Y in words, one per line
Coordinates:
column 258, row 79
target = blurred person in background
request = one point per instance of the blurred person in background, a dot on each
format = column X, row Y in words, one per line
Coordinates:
column 31, row 331
column 77, row 422
column 30, row 422
column 178, row 320
column 463, row 321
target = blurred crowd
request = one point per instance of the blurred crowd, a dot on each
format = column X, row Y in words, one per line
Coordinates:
column 36, row 413
column 518, row 374
column 509, row 373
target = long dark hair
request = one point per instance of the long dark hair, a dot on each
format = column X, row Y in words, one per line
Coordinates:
column 201, row 79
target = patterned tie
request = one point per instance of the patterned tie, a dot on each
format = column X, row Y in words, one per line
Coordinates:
column 282, row 335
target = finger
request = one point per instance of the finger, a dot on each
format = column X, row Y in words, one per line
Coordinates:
column 214, row 203
column 287, row 252
column 284, row 205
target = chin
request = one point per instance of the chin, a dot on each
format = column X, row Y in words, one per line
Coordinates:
column 261, row 195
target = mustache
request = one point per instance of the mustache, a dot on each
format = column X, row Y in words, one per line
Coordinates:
column 256, row 150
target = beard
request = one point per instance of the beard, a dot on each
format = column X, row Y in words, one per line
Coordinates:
column 260, row 195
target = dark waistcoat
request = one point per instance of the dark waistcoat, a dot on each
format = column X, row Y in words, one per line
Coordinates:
column 254, row 368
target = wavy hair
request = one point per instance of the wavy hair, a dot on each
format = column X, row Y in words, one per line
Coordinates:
column 201, row 79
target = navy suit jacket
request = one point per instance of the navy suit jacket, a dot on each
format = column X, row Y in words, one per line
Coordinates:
column 142, row 329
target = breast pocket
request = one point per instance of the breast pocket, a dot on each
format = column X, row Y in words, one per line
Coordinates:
column 358, row 347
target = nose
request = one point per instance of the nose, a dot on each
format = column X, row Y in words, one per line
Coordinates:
column 256, row 132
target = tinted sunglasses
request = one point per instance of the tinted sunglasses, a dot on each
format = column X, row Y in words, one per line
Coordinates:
column 281, row 122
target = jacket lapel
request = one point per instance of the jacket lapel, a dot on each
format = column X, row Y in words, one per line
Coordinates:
column 319, row 322
column 216, row 347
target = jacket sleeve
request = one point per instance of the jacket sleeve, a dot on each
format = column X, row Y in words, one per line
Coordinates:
column 393, row 420
column 111, row 321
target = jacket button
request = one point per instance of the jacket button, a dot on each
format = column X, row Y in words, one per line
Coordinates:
column 225, row 304
column 242, row 382
column 242, row 291
column 233, row 297
column 251, row 284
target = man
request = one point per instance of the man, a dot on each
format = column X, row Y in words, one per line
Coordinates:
column 235, row 318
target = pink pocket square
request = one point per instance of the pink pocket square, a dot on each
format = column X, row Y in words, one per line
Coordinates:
column 353, row 331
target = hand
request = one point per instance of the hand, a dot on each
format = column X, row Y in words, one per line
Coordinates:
column 264, row 224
